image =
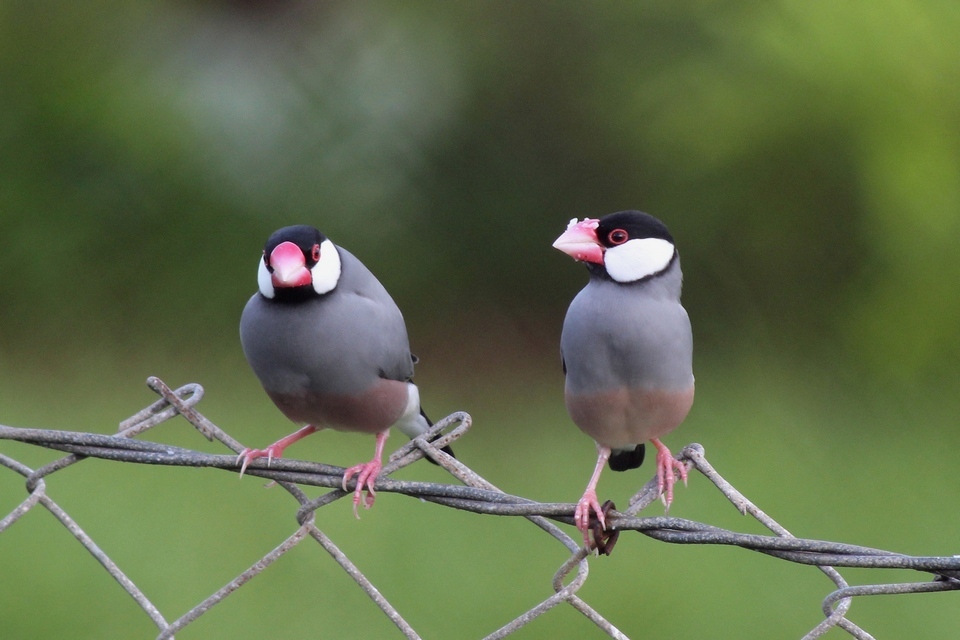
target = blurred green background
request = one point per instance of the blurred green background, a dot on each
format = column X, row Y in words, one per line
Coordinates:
column 805, row 154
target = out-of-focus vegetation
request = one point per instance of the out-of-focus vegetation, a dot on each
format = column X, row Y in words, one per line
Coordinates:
column 805, row 153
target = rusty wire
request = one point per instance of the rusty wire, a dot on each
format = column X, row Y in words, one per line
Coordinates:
column 476, row 495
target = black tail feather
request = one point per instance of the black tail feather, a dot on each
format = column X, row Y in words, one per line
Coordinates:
column 626, row 459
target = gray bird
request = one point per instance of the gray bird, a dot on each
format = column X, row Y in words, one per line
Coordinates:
column 330, row 348
column 626, row 347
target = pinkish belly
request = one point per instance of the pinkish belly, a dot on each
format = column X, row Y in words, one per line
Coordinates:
column 371, row 411
column 622, row 417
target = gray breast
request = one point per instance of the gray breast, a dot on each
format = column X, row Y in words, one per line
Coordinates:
column 628, row 336
column 343, row 342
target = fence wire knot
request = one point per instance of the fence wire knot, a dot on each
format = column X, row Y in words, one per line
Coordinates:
column 475, row 494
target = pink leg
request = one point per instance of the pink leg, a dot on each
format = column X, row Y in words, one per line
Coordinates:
column 368, row 475
column 276, row 449
column 666, row 464
column 581, row 516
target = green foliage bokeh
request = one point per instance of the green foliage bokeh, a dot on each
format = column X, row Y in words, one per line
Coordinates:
column 805, row 154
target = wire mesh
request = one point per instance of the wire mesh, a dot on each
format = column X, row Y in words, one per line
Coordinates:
column 475, row 494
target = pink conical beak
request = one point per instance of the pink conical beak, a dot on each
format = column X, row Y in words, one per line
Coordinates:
column 289, row 266
column 580, row 241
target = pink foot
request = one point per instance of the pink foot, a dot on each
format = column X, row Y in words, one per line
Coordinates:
column 581, row 515
column 666, row 478
column 275, row 450
column 249, row 455
column 368, row 475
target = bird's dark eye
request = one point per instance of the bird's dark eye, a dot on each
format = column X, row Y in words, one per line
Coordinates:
column 315, row 253
column 617, row 236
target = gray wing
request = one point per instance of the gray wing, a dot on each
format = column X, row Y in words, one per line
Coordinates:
column 373, row 321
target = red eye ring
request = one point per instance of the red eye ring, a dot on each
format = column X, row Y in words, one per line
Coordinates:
column 618, row 236
column 315, row 253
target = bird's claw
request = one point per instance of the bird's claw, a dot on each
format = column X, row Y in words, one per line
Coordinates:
column 603, row 539
column 667, row 468
column 581, row 515
column 249, row 455
column 367, row 476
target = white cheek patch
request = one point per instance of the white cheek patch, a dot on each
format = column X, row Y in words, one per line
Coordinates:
column 326, row 272
column 264, row 281
column 636, row 259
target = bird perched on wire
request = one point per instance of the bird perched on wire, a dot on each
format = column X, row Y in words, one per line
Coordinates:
column 626, row 347
column 330, row 348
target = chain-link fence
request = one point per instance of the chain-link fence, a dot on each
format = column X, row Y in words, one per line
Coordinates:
column 475, row 494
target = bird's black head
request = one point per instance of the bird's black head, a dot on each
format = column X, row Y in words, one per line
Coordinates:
column 626, row 246
column 618, row 228
column 298, row 262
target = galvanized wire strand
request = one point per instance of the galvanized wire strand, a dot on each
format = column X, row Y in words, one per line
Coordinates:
column 479, row 499
column 475, row 494
column 836, row 617
column 38, row 496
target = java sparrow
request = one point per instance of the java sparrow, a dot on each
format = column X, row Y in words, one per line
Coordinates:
column 626, row 347
column 330, row 348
